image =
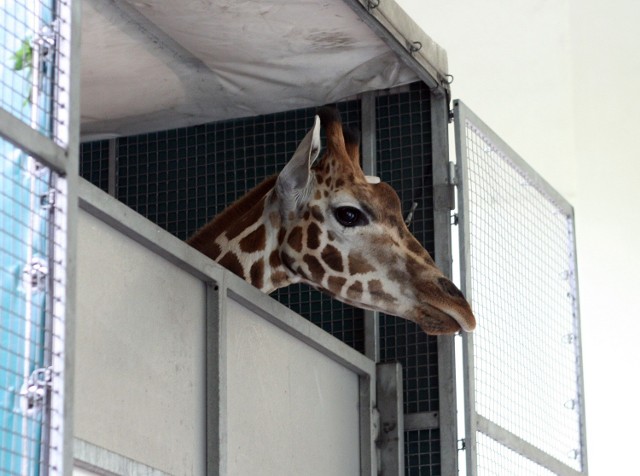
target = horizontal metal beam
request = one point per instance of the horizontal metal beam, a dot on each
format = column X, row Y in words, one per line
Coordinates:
column 524, row 448
column 421, row 421
column 33, row 143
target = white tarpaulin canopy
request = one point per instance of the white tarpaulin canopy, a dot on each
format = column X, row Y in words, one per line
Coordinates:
column 158, row 64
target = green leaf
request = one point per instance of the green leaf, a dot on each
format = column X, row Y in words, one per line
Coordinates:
column 23, row 57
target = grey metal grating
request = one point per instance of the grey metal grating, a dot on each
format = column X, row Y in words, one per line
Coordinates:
column 94, row 163
column 497, row 460
column 422, row 453
column 30, row 55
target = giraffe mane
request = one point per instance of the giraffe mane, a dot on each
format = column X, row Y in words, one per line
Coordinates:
column 229, row 215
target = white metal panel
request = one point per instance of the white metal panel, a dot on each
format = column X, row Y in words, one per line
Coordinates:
column 291, row 409
column 139, row 379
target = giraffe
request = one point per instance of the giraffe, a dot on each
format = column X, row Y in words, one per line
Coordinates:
column 325, row 223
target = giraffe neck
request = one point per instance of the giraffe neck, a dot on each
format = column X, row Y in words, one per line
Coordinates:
column 244, row 238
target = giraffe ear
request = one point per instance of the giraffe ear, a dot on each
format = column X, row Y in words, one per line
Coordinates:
column 293, row 181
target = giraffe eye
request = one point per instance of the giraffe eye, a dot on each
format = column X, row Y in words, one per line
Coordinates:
column 350, row 216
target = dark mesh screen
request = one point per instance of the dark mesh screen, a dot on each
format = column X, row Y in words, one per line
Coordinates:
column 94, row 163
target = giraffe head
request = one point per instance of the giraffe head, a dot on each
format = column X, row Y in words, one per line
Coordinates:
column 343, row 233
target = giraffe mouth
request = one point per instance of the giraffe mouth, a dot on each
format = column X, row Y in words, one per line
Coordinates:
column 436, row 321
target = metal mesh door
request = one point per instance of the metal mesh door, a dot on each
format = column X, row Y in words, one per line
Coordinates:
column 525, row 412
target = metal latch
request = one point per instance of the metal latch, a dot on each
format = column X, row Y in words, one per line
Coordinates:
column 35, row 274
column 34, row 392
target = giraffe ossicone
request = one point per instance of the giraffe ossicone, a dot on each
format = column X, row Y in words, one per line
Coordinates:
column 325, row 223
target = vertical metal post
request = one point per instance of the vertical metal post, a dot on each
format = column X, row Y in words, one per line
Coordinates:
column 391, row 408
column 113, row 167
column 369, row 157
column 69, row 113
column 465, row 278
column 216, row 379
column 442, row 206
column 578, row 349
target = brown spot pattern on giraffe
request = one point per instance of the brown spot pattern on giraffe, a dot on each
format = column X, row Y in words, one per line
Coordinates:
column 332, row 257
column 355, row 291
column 281, row 235
column 315, row 268
column 358, row 264
column 376, row 289
column 295, row 239
column 279, row 278
column 313, row 236
column 317, row 213
column 335, row 284
column 231, row 262
column 254, row 241
column 256, row 273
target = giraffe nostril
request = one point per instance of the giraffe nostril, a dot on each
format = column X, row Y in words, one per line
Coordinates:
column 450, row 288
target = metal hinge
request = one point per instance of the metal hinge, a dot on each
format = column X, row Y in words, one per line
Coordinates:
column 452, row 175
column 35, row 274
column 452, row 181
column 35, row 390
column 48, row 199
column 462, row 445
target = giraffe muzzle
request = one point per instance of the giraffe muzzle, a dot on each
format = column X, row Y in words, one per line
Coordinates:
column 443, row 309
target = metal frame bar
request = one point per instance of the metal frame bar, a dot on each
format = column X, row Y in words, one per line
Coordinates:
column 102, row 461
column 391, row 407
column 222, row 285
column 70, row 13
column 464, row 113
column 369, row 158
column 473, row 421
column 520, row 446
column 442, row 191
column 470, row 443
column 578, row 346
column 33, row 143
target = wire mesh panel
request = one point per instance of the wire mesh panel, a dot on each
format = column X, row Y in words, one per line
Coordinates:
column 31, row 314
column 495, row 459
column 405, row 162
column 34, row 96
column 519, row 272
column 94, row 163
column 31, row 62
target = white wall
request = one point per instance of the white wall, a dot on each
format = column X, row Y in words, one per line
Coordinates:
column 559, row 80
